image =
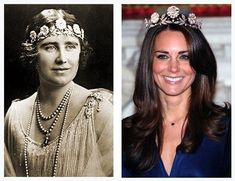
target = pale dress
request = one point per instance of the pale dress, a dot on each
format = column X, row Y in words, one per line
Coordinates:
column 86, row 148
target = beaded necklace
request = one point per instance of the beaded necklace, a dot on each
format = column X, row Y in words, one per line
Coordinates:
column 54, row 170
column 40, row 116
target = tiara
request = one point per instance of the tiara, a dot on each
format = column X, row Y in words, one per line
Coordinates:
column 173, row 16
column 59, row 28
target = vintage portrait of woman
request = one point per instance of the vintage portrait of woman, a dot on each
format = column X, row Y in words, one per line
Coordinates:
column 62, row 128
column 177, row 130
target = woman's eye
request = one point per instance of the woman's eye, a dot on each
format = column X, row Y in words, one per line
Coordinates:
column 162, row 56
column 50, row 48
column 184, row 57
column 70, row 47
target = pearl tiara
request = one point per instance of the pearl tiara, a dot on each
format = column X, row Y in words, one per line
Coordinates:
column 59, row 28
column 173, row 16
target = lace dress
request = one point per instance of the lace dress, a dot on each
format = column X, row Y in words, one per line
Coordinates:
column 83, row 151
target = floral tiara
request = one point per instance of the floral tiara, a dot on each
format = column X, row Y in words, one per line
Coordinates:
column 59, row 28
column 173, row 16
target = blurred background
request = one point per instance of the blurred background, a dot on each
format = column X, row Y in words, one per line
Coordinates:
column 216, row 26
column 97, row 22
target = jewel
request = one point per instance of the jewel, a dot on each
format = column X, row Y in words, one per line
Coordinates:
column 47, row 133
column 46, row 141
column 56, row 113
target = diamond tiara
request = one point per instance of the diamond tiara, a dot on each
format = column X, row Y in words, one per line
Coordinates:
column 173, row 16
column 59, row 28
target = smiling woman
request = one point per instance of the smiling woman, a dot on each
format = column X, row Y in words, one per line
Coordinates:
column 62, row 129
column 177, row 129
column 172, row 71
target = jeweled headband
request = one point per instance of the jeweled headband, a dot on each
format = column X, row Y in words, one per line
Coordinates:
column 59, row 28
column 173, row 16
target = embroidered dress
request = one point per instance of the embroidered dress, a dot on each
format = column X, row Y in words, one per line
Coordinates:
column 86, row 148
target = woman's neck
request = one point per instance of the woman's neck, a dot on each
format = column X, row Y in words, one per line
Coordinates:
column 175, row 108
column 52, row 95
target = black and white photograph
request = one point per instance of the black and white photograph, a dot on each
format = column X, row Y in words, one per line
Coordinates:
column 58, row 90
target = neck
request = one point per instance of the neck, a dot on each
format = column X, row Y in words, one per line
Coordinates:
column 52, row 95
column 175, row 108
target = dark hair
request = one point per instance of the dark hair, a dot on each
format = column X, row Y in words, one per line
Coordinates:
column 29, row 50
column 140, row 129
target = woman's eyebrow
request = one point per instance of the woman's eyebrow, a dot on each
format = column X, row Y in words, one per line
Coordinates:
column 48, row 43
column 161, row 51
column 184, row 51
column 71, row 42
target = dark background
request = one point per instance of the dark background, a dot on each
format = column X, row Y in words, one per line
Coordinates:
column 97, row 22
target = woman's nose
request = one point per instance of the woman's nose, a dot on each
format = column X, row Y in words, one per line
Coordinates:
column 173, row 65
column 61, row 58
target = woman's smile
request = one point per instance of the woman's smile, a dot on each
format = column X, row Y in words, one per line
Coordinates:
column 173, row 79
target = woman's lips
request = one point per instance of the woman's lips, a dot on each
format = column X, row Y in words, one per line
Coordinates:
column 174, row 79
column 60, row 69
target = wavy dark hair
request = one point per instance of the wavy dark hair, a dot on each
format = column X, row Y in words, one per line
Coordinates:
column 140, row 129
column 29, row 50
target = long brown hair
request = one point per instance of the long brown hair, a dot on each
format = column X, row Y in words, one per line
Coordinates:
column 140, row 129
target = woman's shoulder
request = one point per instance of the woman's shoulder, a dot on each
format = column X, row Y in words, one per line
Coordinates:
column 226, row 114
column 98, row 106
column 23, row 104
column 97, row 101
column 20, row 109
column 106, row 95
column 100, row 94
column 104, row 98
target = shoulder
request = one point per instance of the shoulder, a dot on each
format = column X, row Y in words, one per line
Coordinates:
column 19, row 111
column 99, row 104
column 23, row 105
column 99, row 94
column 25, row 101
column 226, row 117
column 107, row 95
column 104, row 99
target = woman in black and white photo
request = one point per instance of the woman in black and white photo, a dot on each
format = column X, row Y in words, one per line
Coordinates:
column 63, row 129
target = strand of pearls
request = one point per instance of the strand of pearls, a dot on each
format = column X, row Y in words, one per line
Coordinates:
column 47, row 132
column 56, row 158
column 54, row 113
column 26, row 142
column 54, row 170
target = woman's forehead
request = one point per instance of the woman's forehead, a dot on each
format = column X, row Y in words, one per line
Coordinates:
column 60, row 39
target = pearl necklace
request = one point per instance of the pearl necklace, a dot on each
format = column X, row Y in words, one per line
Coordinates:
column 53, row 114
column 54, row 170
column 39, row 116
